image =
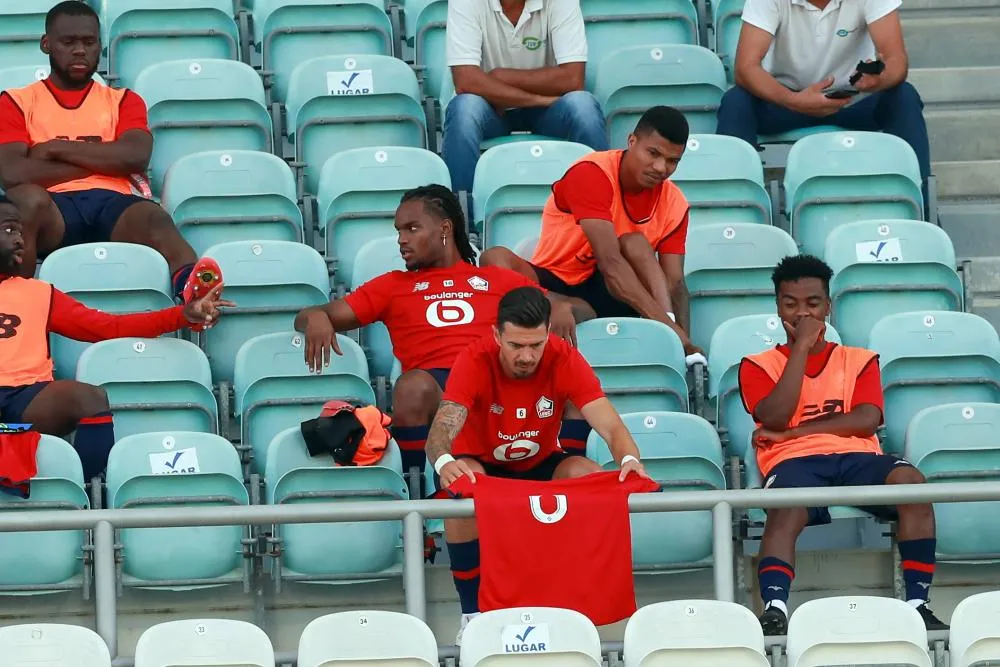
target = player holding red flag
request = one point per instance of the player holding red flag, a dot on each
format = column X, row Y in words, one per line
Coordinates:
column 433, row 310
column 499, row 417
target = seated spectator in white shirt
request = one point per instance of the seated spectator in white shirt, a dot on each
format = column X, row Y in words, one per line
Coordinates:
column 792, row 51
column 517, row 65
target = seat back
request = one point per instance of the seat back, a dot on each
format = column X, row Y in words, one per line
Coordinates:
column 138, row 34
column 640, row 363
column 177, row 469
column 328, row 551
column 204, row 641
column 728, row 273
column 694, row 632
column 270, row 281
column 838, row 177
column 231, row 195
column 113, row 277
column 274, row 389
column 959, row 442
column 376, row 257
column 359, row 192
column 631, row 80
column 336, row 103
column 512, row 184
column 387, row 638
column 883, row 267
column 612, row 25
column 933, row 357
column 531, row 636
column 856, row 630
column 25, row 75
column 45, row 558
column 288, row 32
column 199, row 105
column 152, row 384
column 22, row 24
column 974, row 636
column 682, row 453
column 723, row 180
column 62, row 646
column 426, row 21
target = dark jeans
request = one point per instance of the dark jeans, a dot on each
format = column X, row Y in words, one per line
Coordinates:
column 897, row 111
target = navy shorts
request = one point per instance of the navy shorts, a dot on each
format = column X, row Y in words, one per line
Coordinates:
column 593, row 290
column 855, row 469
column 440, row 375
column 14, row 400
column 542, row 472
column 91, row 215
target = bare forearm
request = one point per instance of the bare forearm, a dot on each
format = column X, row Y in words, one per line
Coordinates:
column 501, row 95
column 621, row 443
column 680, row 299
column 44, row 173
column 776, row 410
column 110, row 159
column 302, row 319
column 447, row 424
column 624, row 285
column 549, row 81
column 760, row 83
column 896, row 70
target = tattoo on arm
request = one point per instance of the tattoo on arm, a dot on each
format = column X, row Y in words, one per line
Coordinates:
column 448, row 422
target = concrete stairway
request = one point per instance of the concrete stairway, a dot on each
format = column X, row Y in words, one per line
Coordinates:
column 954, row 48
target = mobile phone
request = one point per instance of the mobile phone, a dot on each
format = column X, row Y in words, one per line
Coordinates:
column 840, row 94
column 874, row 68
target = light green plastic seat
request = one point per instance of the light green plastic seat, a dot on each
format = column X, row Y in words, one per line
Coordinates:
column 723, row 180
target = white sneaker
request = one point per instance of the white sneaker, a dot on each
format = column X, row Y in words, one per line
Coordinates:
column 461, row 628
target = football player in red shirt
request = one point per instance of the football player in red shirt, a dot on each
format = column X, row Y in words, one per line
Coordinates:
column 433, row 310
column 500, row 416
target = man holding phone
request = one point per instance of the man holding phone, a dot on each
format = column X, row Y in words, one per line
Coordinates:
column 802, row 63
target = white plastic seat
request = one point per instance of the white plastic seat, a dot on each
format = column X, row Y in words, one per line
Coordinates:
column 975, row 630
column 214, row 642
column 530, row 636
column 52, row 645
column 382, row 638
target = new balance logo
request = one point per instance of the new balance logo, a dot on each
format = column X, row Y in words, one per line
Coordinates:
column 775, row 588
column 923, row 584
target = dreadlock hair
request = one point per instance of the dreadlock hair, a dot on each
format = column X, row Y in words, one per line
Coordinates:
column 443, row 204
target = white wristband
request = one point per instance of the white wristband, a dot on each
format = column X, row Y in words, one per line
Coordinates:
column 671, row 316
column 627, row 458
column 442, row 461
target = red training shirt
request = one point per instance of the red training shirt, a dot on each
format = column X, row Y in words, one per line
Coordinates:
column 756, row 385
column 132, row 113
column 515, row 422
column 586, row 192
column 565, row 543
column 433, row 314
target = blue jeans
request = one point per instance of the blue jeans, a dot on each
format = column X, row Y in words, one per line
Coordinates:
column 897, row 111
column 470, row 119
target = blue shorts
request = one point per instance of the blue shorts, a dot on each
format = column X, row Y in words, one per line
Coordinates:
column 14, row 400
column 440, row 375
column 91, row 215
column 855, row 469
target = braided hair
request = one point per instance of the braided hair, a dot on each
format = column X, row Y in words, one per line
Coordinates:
column 443, row 204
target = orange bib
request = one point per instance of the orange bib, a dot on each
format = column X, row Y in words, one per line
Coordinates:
column 830, row 392
column 24, row 332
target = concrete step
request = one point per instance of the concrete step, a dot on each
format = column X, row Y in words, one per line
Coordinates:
column 964, row 135
column 973, row 231
column 974, row 179
column 957, row 86
column 967, row 38
column 916, row 7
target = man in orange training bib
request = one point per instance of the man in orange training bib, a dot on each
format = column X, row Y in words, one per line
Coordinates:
column 73, row 153
column 29, row 311
column 817, row 406
column 614, row 230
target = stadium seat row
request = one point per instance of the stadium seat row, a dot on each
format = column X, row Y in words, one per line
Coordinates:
column 839, row 630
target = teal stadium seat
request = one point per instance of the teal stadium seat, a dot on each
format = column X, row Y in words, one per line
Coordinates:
column 24, row 75
column 153, row 384
column 376, row 257
column 883, row 267
column 333, row 552
column 46, row 560
column 112, row 277
column 838, row 177
column 289, row 32
column 960, row 442
column 270, row 281
column 682, row 453
column 336, row 103
column 359, row 191
column 933, row 357
column 727, row 21
column 633, row 79
column 734, row 339
column 611, row 25
column 199, row 105
column 22, row 24
column 274, row 389
column 179, row 469
column 138, row 34
column 728, row 273
column 640, row 363
column 723, row 180
column 219, row 196
column 426, row 21
column 512, row 184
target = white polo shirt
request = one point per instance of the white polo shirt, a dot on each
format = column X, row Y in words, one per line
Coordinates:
column 548, row 33
column 811, row 44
